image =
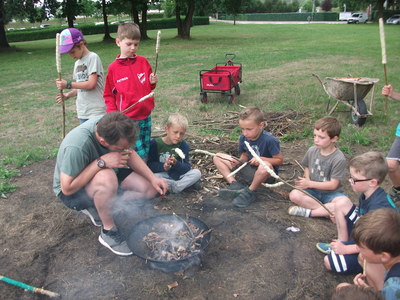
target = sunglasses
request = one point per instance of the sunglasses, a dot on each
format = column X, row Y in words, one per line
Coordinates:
column 354, row 181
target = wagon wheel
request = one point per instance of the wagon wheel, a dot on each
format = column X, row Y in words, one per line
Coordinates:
column 237, row 89
column 362, row 110
column 203, row 97
column 231, row 99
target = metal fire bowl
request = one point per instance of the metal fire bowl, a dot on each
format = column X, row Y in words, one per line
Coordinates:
column 139, row 247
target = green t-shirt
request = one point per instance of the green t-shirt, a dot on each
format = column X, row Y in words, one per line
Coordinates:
column 165, row 151
column 78, row 149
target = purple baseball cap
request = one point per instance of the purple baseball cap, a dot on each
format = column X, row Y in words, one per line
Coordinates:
column 68, row 38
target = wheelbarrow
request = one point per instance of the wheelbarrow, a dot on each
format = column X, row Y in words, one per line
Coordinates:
column 350, row 91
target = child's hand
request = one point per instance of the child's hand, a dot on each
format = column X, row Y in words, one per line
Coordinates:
column 61, row 84
column 360, row 280
column 254, row 162
column 153, row 78
column 60, row 98
column 172, row 160
column 387, row 90
column 302, row 183
column 338, row 247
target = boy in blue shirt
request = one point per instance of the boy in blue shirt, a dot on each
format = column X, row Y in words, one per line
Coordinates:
column 169, row 156
column 251, row 122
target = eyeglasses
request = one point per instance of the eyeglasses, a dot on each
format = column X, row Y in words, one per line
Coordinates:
column 354, row 181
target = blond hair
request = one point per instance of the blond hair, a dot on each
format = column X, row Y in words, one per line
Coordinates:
column 252, row 113
column 128, row 31
column 371, row 165
column 329, row 124
column 177, row 119
column 379, row 231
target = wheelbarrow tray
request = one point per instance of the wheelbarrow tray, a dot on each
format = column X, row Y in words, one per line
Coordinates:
column 220, row 78
column 344, row 89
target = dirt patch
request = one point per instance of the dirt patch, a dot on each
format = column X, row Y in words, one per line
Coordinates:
column 251, row 255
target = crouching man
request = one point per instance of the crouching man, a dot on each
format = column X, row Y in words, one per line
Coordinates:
column 90, row 169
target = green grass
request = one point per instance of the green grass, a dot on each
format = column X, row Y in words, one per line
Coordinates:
column 277, row 60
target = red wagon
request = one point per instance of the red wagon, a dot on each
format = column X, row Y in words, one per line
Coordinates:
column 221, row 79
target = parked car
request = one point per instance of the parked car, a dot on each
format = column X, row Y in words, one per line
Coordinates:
column 44, row 25
column 395, row 19
column 359, row 17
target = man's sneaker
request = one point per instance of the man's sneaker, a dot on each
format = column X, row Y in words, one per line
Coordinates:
column 324, row 247
column 231, row 190
column 92, row 213
column 394, row 194
column 299, row 211
column 245, row 198
column 114, row 241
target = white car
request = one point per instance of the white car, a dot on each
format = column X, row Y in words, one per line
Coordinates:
column 395, row 19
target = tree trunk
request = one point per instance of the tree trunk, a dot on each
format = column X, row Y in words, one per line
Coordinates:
column 143, row 25
column 3, row 37
column 184, row 26
column 107, row 36
column 379, row 5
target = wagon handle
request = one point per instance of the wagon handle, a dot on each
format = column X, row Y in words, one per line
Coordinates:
column 229, row 57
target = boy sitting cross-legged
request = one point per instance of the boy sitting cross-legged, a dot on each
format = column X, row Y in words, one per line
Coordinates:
column 324, row 169
column 367, row 172
column 165, row 161
column 251, row 121
column 377, row 235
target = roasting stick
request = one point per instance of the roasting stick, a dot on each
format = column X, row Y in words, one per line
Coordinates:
column 213, row 154
column 140, row 100
column 273, row 174
column 58, row 64
column 384, row 59
column 29, row 287
column 157, row 50
column 365, row 267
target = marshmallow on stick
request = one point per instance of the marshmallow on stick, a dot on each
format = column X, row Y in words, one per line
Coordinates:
column 157, row 50
column 383, row 44
column 140, row 100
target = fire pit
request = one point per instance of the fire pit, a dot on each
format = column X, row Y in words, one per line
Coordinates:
column 170, row 243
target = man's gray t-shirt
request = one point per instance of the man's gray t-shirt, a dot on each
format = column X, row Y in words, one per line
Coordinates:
column 89, row 103
column 78, row 149
column 324, row 168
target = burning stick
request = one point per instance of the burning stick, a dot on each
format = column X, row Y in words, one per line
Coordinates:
column 384, row 60
column 273, row 174
column 140, row 100
column 29, row 287
column 58, row 64
column 157, row 50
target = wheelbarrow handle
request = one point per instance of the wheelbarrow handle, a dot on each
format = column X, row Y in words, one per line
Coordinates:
column 319, row 78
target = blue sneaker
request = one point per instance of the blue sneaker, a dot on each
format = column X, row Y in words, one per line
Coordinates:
column 324, row 247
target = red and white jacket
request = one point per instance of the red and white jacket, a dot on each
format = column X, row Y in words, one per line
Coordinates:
column 128, row 80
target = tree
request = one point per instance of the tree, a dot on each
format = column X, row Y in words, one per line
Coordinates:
column 23, row 9
column 70, row 9
column 233, row 7
column 326, row 5
column 186, row 8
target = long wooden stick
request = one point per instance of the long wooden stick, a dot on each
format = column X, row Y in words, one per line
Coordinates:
column 58, row 64
column 273, row 174
column 157, row 50
column 384, row 59
column 29, row 287
column 140, row 100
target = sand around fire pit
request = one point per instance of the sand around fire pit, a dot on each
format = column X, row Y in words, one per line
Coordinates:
column 251, row 255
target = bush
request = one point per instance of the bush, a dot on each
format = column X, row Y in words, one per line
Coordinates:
column 50, row 32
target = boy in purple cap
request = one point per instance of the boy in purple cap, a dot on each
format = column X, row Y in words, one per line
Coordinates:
column 88, row 75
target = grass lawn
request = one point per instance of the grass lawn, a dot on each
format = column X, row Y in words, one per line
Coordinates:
column 277, row 60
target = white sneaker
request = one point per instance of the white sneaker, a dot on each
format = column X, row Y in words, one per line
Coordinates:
column 299, row 211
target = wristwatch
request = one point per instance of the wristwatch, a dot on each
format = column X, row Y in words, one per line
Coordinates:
column 101, row 163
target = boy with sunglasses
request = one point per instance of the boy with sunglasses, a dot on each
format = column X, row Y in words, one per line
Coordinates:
column 367, row 172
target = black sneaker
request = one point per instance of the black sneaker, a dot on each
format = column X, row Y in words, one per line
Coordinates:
column 245, row 198
column 196, row 186
column 231, row 190
column 92, row 213
column 114, row 241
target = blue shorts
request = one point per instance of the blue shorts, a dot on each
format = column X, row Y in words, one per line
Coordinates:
column 324, row 197
column 345, row 263
column 142, row 145
column 81, row 200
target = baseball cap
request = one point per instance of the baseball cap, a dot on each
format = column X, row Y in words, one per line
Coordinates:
column 68, row 38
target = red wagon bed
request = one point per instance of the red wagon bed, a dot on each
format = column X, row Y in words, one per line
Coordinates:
column 221, row 79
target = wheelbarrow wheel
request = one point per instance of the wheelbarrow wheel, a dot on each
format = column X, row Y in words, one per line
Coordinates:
column 362, row 110
column 231, row 99
column 237, row 89
column 203, row 97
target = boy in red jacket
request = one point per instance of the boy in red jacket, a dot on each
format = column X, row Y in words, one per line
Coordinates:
column 130, row 78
